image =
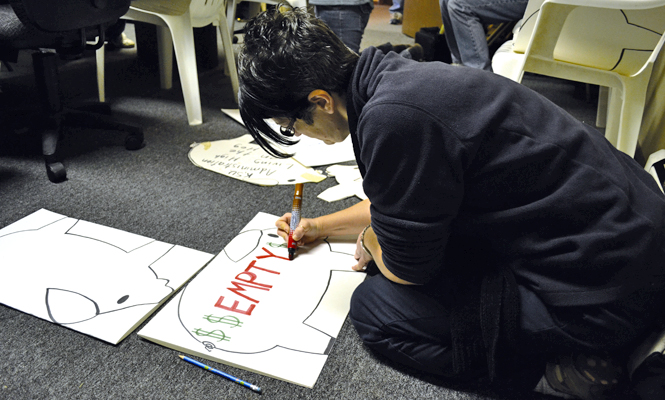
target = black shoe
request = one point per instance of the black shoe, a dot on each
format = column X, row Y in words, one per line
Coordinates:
column 417, row 52
column 385, row 48
column 399, row 48
column 413, row 51
column 585, row 377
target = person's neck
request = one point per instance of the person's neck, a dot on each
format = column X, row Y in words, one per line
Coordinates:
column 340, row 105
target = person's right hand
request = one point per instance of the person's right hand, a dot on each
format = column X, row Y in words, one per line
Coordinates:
column 306, row 232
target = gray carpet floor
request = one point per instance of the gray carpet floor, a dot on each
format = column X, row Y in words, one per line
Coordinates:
column 157, row 192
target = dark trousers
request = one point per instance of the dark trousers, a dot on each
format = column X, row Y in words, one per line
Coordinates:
column 348, row 22
column 411, row 324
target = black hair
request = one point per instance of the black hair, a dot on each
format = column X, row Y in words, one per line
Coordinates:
column 287, row 53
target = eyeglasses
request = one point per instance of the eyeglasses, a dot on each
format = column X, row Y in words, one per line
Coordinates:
column 289, row 130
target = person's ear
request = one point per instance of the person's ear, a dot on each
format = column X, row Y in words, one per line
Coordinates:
column 323, row 100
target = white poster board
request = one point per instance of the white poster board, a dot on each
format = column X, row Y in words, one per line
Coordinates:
column 87, row 277
column 252, row 308
column 350, row 183
column 240, row 159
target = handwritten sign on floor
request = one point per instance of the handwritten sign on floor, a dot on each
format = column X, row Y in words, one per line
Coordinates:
column 240, row 159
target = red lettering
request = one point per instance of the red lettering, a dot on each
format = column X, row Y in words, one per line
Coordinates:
column 239, row 289
column 247, row 279
column 271, row 255
column 252, row 277
column 253, row 265
column 234, row 307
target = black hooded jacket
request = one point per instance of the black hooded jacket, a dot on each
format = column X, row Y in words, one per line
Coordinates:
column 452, row 153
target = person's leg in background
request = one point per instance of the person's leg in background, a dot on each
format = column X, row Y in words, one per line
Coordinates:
column 348, row 22
column 463, row 23
column 116, row 38
column 396, row 12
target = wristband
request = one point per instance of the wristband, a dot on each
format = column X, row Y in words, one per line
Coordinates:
column 362, row 241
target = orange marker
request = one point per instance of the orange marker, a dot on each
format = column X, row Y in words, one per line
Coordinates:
column 295, row 219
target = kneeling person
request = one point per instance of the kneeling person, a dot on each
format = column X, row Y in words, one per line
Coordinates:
column 503, row 228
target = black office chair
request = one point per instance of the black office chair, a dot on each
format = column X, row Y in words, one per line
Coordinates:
column 65, row 26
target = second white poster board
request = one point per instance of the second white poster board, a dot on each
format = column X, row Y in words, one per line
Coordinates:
column 91, row 278
column 254, row 309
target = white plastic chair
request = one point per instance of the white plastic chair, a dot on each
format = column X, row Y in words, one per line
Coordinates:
column 175, row 20
column 508, row 60
column 655, row 166
column 610, row 43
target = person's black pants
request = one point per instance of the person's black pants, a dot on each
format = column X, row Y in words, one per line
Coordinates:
column 411, row 324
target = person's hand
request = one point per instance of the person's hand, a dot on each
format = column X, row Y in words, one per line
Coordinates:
column 361, row 255
column 306, row 232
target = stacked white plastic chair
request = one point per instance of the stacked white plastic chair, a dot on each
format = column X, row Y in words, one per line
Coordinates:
column 610, row 43
column 175, row 20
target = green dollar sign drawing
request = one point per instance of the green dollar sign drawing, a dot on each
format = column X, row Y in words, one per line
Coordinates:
column 228, row 319
column 219, row 336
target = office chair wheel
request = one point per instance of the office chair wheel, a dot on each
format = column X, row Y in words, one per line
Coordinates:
column 56, row 172
column 134, row 141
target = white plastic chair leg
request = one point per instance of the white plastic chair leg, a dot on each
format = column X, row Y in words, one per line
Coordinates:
column 100, row 56
column 165, row 57
column 229, row 56
column 632, row 111
column 613, row 115
column 231, row 15
column 182, row 35
column 601, row 112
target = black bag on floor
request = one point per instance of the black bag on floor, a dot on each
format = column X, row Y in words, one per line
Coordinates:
column 434, row 45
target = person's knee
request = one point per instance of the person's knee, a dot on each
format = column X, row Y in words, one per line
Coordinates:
column 459, row 8
column 359, row 302
column 365, row 303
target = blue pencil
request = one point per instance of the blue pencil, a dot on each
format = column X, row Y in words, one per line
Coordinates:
column 225, row 375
